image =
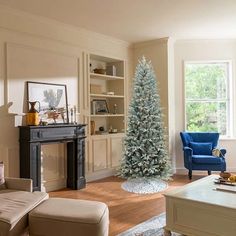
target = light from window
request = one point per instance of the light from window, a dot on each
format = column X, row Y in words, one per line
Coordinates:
column 207, row 97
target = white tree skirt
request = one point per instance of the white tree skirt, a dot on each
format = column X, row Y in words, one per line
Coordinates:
column 144, row 185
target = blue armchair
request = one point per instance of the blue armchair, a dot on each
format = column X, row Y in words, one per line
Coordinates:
column 197, row 148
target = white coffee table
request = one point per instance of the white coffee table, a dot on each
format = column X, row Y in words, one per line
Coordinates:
column 197, row 209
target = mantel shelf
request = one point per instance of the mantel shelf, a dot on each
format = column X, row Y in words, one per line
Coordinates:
column 106, row 96
column 106, row 77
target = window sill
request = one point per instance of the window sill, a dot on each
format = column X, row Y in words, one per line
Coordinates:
column 227, row 139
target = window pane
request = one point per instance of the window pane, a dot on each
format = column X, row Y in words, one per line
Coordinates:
column 206, row 116
column 206, row 81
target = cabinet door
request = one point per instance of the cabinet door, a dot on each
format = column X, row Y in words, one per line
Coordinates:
column 100, row 150
column 116, row 150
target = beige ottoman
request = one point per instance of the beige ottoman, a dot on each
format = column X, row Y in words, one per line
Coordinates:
column 69, row 217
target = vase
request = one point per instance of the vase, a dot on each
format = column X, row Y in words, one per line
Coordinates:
column 92, row 127
column 32, row 117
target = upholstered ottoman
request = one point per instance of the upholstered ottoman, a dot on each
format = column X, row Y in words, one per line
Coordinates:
column 69, row 217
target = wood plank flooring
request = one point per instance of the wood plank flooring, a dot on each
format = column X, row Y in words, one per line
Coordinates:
column 125, row 209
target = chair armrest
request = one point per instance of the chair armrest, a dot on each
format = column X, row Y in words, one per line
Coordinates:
column 188, row 151
column 19, row 184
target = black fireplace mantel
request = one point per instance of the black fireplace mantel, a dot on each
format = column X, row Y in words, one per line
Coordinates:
column 31, row 139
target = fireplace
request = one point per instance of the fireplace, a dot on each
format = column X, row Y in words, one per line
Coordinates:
column 31, row 139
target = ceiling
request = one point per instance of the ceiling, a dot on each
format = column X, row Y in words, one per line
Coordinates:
column 140, row 20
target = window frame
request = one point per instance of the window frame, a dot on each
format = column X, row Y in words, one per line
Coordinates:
column 229, row 93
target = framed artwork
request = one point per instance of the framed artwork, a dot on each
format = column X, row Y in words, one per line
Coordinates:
column 99, row 106
column 51, row 100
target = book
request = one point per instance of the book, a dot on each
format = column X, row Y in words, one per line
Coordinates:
column 226, row 188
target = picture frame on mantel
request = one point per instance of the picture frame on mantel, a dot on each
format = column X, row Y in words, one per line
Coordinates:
column 52, row 101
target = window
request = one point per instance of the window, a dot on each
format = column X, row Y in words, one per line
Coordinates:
column 207, row 96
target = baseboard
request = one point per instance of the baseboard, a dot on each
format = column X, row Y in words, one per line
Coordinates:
column 52, row 185
column 184, row 171
column 99, row 175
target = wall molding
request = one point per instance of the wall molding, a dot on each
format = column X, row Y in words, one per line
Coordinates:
column 99, row 175
column 151, row 43
column 25, row 22
column 42, row 49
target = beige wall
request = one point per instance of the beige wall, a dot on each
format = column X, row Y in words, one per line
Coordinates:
column 167, row 57
column 161, row 54
column 157, row 52
column 38, row 49
column 190, row 50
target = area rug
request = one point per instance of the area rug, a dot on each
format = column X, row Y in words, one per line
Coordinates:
column 144, row 185
column 151, row 227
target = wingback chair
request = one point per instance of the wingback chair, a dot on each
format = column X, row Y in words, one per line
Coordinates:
column 197, row 148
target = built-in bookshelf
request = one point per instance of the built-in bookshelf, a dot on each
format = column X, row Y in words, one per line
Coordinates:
column 107, row 92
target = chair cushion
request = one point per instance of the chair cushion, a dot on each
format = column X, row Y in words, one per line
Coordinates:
column 205, row 159
column 60, row 217
column 201, row 148
column 15, row 204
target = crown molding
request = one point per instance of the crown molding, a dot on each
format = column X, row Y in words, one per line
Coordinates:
column 17, row 20
column 151, row 42
column 180, row 41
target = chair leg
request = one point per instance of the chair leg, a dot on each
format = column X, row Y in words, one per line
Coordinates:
column 190, row 174
column 209, row 172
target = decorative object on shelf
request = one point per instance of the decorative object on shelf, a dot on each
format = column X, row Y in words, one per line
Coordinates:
column 32, row 116
column 53, row 101
column 43, row 123
column 100, row 71
column 145, row 152
column 75, row 120
column 112, row 131
column 115, row 109
column 92, row 127
column 53, row 114
column 99, row 107
column 109, row 93
column 111, row 70
column 71, row 115
column 101, row 128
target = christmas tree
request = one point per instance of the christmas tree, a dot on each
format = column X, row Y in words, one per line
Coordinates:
column 145, row 152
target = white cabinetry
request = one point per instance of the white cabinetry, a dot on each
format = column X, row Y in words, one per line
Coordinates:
column 105, row 86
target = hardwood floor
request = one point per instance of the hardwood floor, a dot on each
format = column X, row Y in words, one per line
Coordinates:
column 125, row 209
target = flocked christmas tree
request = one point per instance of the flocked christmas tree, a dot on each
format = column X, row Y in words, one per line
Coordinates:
column 145, row 152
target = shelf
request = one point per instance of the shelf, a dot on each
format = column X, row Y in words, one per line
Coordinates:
column 108, row 115
column 106, row 77
column 106, row 96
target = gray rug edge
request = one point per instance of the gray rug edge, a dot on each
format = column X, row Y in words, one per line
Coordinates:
column 133, row 229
